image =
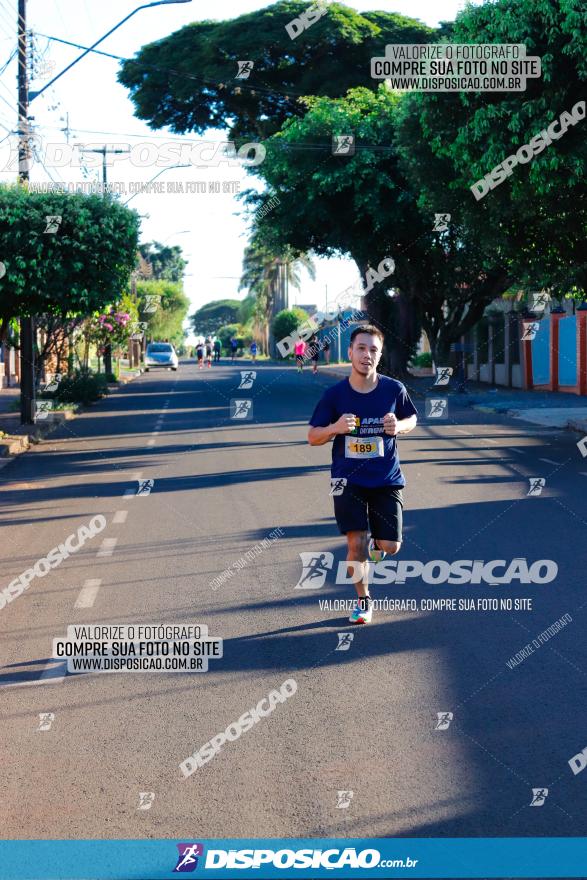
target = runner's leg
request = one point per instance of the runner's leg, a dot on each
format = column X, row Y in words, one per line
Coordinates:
column 357, row 546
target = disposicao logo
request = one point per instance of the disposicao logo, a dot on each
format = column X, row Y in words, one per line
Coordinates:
column 188, row 857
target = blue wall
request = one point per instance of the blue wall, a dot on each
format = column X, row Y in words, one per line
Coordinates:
column 541, row 354
column 567, row 351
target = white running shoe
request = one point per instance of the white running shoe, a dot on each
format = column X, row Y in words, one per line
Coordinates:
column 360, row 616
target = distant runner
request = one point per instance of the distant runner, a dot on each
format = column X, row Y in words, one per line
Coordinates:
column 217, row 348
column 200, row 354
column 313, row 352
column 326, row 348
column 253, row 350
column 299, row 350
column 233, row 348
column 363, row 415
column 208, row 345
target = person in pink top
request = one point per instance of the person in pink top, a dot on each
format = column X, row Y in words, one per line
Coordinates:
column 299, row 350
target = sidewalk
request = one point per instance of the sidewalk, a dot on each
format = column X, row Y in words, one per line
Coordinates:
column 552, row 409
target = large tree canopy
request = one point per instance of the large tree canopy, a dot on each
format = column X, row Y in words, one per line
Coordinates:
column 187, row 81
column 363, row 206
column 207, row 320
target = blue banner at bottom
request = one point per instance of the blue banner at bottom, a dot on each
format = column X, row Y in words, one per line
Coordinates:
column 230, row 859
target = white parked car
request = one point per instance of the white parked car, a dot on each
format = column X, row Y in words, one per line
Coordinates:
column 160, row 354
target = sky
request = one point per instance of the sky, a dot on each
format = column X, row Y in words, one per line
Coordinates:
column 210, row 227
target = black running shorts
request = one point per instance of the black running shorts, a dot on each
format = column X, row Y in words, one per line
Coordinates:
column 378, row 510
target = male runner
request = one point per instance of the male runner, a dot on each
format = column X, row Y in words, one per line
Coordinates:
column 208, row 345
column 363, row 415
column 200, row 354
column 313, row 352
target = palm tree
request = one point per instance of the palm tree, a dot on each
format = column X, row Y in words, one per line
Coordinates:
column 267, row 273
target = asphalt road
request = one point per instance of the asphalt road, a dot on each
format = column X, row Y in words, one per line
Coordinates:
column 362, row 720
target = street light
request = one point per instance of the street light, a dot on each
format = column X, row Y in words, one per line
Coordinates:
column 183, row 232
column 169, row 167
column 33, row 95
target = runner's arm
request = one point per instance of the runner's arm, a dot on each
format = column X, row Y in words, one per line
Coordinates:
column 394, row 426
column 319, row 435
column 404, row 426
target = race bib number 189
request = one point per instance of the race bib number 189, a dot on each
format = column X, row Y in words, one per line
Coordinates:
column 362, row 447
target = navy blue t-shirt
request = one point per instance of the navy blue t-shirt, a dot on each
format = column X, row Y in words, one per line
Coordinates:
column 389, row 396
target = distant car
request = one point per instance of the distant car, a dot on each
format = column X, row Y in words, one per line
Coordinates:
column 160, row 354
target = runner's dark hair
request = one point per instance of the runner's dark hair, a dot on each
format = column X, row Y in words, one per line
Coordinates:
column 370, row 329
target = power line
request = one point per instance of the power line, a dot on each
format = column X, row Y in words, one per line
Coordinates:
column 12, row 55
column 241, row 85
column 10, row 21
column 58, row 8
column 2, row 98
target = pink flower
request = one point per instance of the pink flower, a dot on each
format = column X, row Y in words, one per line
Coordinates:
column 109, row 327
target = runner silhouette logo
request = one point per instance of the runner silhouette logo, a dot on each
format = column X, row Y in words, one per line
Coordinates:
column 315, row 567
column 188, row 857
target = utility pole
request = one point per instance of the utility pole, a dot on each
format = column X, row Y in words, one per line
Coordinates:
column 27, row 324
column 103, row 151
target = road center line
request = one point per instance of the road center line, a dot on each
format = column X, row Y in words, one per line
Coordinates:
column 88, row 594
column 107, row 547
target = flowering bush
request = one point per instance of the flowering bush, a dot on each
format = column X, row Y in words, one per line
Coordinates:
column 111, row 328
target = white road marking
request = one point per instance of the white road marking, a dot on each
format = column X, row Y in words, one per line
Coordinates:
column 151, row 442
column 583, row 473
column 107, row 547
column 120, row 516
column 88, row 593
column 458, row 431
column 548, row 460
column 489, row 440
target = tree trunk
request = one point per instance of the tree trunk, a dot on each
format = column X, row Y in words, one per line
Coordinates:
column 108, row 359
column 398, row 318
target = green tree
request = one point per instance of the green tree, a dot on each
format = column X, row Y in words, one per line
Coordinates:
column 187, row 81
column 208, row 320
column 226, row 333
column 266, row 267
column 347, row 205
column 365, row 206
column 72, row 271
column 166, row 263
column 286, row 322
column 164, row 306
column 536, row 220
